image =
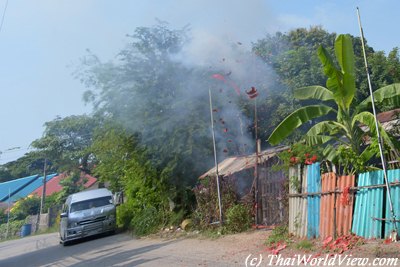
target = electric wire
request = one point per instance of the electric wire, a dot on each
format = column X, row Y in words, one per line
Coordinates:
column 3, row 16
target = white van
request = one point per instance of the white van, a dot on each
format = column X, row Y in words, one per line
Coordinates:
column 87, row 213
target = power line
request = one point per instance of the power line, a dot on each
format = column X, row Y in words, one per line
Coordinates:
column 15, row 149
column 6, row 155
column 4, row 14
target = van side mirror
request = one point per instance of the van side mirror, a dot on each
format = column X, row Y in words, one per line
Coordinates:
column 64, row 215
column 118, row 198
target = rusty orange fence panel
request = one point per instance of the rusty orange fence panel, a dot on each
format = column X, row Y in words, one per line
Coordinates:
column 327, row 205
column 342, row 203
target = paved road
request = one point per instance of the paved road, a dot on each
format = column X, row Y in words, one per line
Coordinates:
column 115, row 250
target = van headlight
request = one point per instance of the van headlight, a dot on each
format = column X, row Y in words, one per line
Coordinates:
column 73, row 224
column 111, row 217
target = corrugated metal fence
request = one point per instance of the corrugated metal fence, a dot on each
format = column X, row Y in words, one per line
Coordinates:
column 336, row 208
column 322, row 206
column 369, row 205
column 297, row 204
column 344, row 204
column 393, row 177
column 313, row 200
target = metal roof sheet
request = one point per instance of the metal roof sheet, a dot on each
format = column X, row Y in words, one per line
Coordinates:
column 54, row 185
column 236, row 164
column 13, row 186
column 388, row 115
column 29, row 188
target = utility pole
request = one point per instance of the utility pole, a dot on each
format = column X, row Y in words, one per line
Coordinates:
column 43, row 195
column 44, row 187
column 8, row 212
column 256, row 186
column 252, row 94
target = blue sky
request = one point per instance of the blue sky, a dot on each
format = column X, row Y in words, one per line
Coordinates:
column 42, row 41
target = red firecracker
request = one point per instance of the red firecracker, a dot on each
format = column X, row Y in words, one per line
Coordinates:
column 252, row 93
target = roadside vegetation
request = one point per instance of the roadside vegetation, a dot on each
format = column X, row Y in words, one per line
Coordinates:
column 149, row 135
column 349, row 138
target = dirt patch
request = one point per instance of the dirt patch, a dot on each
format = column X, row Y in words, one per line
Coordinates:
column 236, row 248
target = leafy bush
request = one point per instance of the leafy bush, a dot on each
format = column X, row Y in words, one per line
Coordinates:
column 278, row 235
column 176, row 218
column 146, row 221
column 207, row 200
column 24, row 207
column 299, row 153
column 238, row 218
column 3, row 216
column 350, row 162
column 124, row 216
column 14, row 229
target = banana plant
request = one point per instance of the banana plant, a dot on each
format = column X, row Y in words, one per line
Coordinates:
column 354, row 124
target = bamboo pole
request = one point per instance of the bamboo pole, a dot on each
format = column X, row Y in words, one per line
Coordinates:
column 389, row 195
column 215, row 159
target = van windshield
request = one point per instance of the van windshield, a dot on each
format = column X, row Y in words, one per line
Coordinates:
column 91, row 203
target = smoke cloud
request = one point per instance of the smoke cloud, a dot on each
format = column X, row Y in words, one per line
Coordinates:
column 216, row 58
column 235, row 69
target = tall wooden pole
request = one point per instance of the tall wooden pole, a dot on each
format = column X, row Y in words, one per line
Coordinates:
column 256, row 186
column 215, row 159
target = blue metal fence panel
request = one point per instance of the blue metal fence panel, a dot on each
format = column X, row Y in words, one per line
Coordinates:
column 369, row 205
column 393, row 176
column 313, row 202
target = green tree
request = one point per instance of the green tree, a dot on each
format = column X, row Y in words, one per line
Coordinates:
column 71, row 184
column 292, row 55
column 124, row 163
column 340, row 90
column 384, row 70
column 29, row 164
column 113, row 147
column 393, row 67
column 156, row 97
column 5, row 174
column 65, row 142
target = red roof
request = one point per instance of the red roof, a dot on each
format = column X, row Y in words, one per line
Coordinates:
column 54, row 186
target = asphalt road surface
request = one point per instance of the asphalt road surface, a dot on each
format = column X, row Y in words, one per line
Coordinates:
column 115, row 250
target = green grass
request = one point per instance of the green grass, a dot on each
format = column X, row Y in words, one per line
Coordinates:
column 305, row 245
column 279, row 235
column 52, row 229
